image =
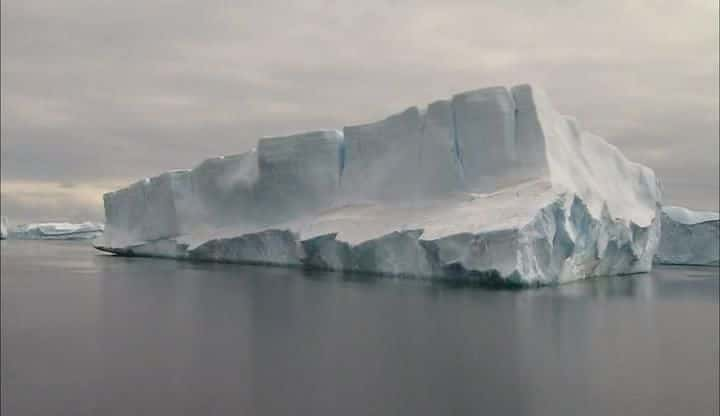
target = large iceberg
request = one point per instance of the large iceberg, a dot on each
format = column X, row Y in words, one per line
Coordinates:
column 57, row 231
column 689, row 237
column 492, row 185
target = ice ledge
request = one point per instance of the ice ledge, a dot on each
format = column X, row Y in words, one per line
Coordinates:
column 561, row 242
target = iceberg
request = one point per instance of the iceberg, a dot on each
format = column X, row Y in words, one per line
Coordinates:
column 689, row 237
column 3, row 228
column 491, row 185
column 57, row 231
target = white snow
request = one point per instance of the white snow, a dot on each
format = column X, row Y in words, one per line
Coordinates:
column 57, row 231
column 493, row 184
column 689, row 237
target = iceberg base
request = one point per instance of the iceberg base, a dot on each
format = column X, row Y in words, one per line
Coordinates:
column 561, row 242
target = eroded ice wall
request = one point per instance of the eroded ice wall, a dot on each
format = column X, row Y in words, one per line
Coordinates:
column 221, row 192
column 530, row 147
column 218, row 192
column 410, row 157
column 145, row 210
column 439, row 168
column 689, row 237
column 298, row 174
column 485, row 134
column 381, row 160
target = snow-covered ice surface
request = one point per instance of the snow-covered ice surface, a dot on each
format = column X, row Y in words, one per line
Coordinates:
column 3, row 227
column 689, row 217
column 493, row 184
column 689, row 237
column 57, row 231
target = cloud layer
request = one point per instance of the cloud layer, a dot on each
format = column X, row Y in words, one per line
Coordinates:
column 101, row 93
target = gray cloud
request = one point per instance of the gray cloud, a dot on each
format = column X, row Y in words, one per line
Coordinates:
column 105, row 92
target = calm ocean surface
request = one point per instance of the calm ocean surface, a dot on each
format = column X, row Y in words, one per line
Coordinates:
column 90, row 334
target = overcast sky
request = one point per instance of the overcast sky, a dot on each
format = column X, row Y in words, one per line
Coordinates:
column 97, row 94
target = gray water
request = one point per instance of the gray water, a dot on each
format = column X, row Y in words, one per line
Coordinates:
column 90, row 334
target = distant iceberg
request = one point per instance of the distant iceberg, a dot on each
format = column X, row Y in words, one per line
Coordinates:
column 57, row 231
column 3, row 228
column 689, row 237
column 492, row 185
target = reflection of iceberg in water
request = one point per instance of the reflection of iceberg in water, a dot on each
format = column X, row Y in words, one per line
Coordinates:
column 191, row 350
column 266, row 341
column 583, row 325
column 673, row 283
column 396, row 348
column 611, row 288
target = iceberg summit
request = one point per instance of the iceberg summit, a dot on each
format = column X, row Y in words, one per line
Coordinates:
column 492, row 185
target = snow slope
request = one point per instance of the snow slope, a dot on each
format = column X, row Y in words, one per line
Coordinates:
column 689, row 237
column 492, row 184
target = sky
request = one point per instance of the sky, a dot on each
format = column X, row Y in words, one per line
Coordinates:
column 97, row 94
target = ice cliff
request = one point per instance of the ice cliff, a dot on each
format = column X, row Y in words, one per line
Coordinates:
column 689, row 237
column 493, row 184
column 57, row 231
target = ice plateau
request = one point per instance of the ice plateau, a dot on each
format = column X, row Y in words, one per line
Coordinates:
column 689, row 237
column 57, row 231
column 491, row 185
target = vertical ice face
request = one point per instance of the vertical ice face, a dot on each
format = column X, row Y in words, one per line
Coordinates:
column 221, row 192
column 298, row 174
column 529, row 138
column 689, row 237
column 485, row 134
column 265, row 247
column 439, row 169
column 216, row 193
column 382, row 159
column 145, row 210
